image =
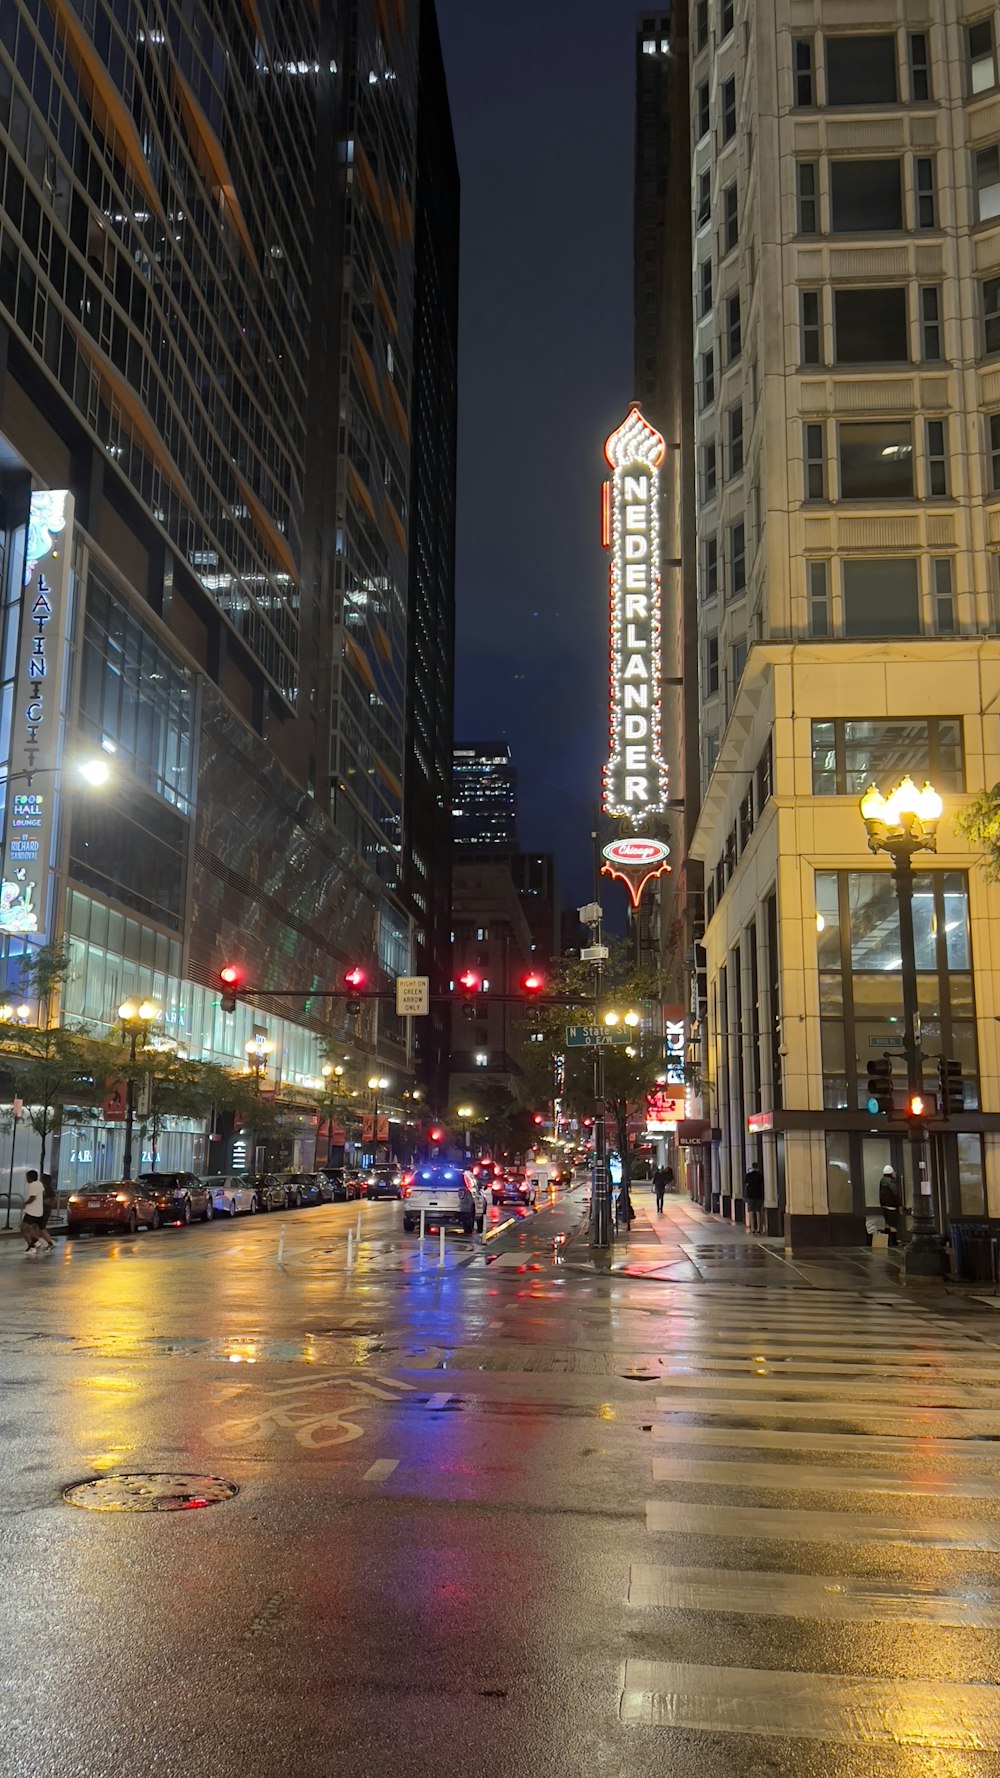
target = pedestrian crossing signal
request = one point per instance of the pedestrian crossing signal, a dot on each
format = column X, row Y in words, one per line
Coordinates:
column 879, row 1102
column 952, row 1086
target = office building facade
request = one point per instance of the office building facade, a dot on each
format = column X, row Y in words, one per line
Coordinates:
column 484, row 800
column 845, row 291
column 206, row 344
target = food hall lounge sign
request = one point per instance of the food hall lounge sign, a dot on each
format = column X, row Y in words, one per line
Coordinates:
column 635, row 777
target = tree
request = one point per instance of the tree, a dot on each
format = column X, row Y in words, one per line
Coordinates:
column 175, row 1086
column 979, row 822
column 53, row 1066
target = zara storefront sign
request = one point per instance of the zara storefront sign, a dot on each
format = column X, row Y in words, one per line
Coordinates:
column 35, row 731
column 635, row 776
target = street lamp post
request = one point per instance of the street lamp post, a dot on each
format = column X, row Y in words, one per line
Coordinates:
column 377, row 1084
column 466, row 1113
column 333, row 1076
column 136, row 1021
column 904, row 822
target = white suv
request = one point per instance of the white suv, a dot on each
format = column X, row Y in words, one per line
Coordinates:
column 446, row 1194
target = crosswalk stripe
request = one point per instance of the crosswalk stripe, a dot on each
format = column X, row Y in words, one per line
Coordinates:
column 835, row 1390
column 829, row 1707
column 836, row 1598
column 926, row 1422
column 685, row 1519
column 851, row 1364
column 916, row 1450
column 814, row 1478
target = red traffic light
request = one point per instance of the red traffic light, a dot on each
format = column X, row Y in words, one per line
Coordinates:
column 538, row 1118
column 436, row 1134
column 469, row 981
column 230, row 975
column 355, row 976
column 533, row 983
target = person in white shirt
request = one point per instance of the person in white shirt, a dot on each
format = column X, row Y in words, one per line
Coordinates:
column 33, row 1216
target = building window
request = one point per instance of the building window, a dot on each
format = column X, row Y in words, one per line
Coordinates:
column 708, row 377
column 986, row 176
column 737, row 662
column 924, row 178
column 802, row 61
column 734, row 423
column 930, row 326
column 994, row 423
column 702, row 112
column 806, row 188
column 860, row 70
column 818, row 589
column 728, row 110
column 726, row 18
column 730, row 218
column 809, row 315
column 738, row 559
column 734, row 341
column 704, row 287
column 710, row 472
column 870, row 326
column 937, row 458
column 848, row 755
column 920, row 68
column 710, row 567
column 704, row 210
column 991, row 314
column 866, row 197
column 711, row 666
column 982, row 64
column 815, row 463
column 881, row 596
column 944, row 596
column 701, row 24
column 876, row 460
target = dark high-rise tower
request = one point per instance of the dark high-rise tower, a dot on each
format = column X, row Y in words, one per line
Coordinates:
column 431, row 597
column 484, row 800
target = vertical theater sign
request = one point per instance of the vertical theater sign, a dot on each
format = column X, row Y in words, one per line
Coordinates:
column 636, row 781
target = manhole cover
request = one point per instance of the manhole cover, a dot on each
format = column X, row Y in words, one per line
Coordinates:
column 149, row 1493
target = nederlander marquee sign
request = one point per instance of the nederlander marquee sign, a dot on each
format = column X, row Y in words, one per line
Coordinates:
column 635, row 777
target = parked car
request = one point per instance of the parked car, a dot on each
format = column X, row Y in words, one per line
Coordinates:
column 384, row 1182
column 112, row 1204
column 179, row 1197
column 230, row 1195
column 447, row 1195
column 302, row 1189
column 270, row 1191
column 337, row 1184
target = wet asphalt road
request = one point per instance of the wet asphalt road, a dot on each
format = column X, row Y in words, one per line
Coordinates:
column 712, row 1515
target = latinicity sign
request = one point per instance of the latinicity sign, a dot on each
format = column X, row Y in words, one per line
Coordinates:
column 635, row 777
column 35, row 737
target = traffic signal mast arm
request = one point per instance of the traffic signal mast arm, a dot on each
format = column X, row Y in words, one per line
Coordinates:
column 248, row 993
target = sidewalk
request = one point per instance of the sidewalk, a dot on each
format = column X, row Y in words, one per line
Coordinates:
column 687, row 1245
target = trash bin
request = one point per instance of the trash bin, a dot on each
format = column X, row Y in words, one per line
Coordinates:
column 956, row 1233
column 973, row 1248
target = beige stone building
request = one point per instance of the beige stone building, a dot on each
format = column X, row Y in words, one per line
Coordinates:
column 846, row 301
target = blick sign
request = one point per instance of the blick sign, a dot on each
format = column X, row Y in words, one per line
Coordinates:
column 635, row 777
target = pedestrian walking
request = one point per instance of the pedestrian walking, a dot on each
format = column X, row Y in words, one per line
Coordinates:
column 626, row 1211
column 890, row 1202
column 662, row 1179
column 33, row 1215
column 753, row 1198
column 49, row 1203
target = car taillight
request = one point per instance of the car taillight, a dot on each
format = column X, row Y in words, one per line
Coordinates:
column 121, row 1197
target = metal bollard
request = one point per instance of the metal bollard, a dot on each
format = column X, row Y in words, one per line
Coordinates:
column 281, row 1243
column 423, row 1224
column 441, row 1245
column 350, row 1249
column 358, row 1235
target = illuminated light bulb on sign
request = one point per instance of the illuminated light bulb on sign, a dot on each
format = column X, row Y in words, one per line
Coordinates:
column 635, row 776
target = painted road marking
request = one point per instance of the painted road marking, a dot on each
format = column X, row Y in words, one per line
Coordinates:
column 925, row 1421
column 381, row 1469
column 816, row 1478
column 927, row 1447
column 492, row 1234
column 813, row 1706
column 682, row 1519
column 835, row 1598
column 832, row 1390
column 438, row 1401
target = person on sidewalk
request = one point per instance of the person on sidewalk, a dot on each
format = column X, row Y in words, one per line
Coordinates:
column 753, row 1198
column 662, row 1178
column 49, row 1206
column 890, row 1202
column 33, row 1216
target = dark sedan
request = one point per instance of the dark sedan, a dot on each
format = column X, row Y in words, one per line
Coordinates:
column 302, row 1189
column 383, row 1182
column 179, row 1197
column 270, row 1191
column 336, row 1182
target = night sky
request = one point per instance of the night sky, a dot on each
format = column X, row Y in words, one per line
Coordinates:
column 542, row 102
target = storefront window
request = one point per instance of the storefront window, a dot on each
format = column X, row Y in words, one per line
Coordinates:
column 839, row 1187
